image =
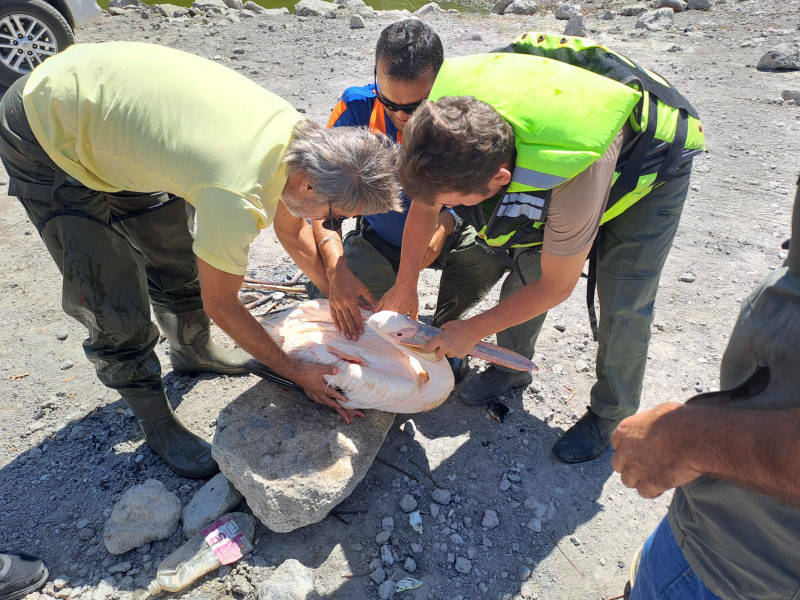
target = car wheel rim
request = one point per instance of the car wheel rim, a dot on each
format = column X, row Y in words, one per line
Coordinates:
column 25, row 42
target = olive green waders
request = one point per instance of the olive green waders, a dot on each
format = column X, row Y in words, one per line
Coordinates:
column 118, row 254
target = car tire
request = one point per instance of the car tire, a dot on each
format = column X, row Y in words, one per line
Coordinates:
column 19, row 55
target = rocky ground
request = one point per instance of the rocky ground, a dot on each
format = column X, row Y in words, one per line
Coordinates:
column 517, row 522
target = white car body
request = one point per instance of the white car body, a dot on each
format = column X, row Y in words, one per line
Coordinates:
column 82, row 11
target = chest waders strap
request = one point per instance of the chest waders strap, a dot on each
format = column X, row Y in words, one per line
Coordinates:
column 629, row 177
column 591, row 286
column 669, row 168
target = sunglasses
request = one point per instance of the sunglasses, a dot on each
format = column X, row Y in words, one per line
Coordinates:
column 330, row 223
column 393, row 106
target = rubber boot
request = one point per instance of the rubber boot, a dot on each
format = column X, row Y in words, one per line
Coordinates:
column 191, row 349
column 183, row 451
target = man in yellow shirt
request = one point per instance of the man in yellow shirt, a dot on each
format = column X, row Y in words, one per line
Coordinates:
column 104, row 142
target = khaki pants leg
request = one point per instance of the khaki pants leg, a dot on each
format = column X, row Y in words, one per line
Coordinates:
column 631, row 253
column 470, row 271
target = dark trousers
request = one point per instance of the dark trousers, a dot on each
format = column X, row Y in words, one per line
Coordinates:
column 117, row 253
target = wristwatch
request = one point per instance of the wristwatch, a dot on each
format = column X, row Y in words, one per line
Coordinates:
column 459, row 221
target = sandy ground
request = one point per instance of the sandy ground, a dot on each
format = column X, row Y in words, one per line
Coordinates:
column 55, row 474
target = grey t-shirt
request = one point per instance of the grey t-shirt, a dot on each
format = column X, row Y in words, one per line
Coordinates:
column 742, row 544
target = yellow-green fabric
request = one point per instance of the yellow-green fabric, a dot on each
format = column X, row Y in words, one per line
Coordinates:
column 189, row 127
column 561, row 126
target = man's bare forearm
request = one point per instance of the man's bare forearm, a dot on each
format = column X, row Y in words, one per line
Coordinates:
column 331, row 252
column 297, row 238
column 757, row 449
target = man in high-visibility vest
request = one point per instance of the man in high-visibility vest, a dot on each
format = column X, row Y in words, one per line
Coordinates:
column 537, row 146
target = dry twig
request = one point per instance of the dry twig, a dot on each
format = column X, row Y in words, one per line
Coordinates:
column 567, row 557
column 18, row 377
column 274, row 288
column 70, row 378
column 398, row 469
column 571, row 395
column 425, row 472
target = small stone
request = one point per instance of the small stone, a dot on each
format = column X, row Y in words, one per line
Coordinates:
column 490, row 520
column 605, row 15
column 356, row 22
column 581, row 366
column 463, row 565
column 675, row 5
column 77, row 432
column 575, row 26
column 122, row 567
column 356, row 547
column 86, row 534
column 699, row 4
column 633, row 10
column 386, row 590
column 62, row 335
column 781, row 57
column 456, row 539
column 791, row 95
column 514, row 478
column 657, row 20
column 522, row 7
column 416, row 548
column 434, row 510
column 504, row 485
column 241, row 586
column 486, row 543
column 383, row 537
column 378, row 575
column 441, row 496
column 575, row 540
column 410, row 565
column 66, row 365
column 566, row 11
column 60, row 582
column 524, row 572
column 386, row 555
column 688, row 277
column 211, row 501
column 387, row 524
column 408, row 503
column 535, row 525
column 560, row 326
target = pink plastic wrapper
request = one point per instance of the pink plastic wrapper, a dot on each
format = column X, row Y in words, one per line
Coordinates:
column 226, row 540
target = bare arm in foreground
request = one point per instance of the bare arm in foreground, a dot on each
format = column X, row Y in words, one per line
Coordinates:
column 673, row 444
column 221, row 301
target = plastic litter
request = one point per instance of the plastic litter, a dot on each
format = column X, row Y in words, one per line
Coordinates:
column 223, row 542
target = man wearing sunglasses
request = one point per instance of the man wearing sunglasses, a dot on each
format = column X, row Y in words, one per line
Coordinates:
column 363, row 266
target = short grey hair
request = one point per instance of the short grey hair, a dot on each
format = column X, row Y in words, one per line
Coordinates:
column 350, row 167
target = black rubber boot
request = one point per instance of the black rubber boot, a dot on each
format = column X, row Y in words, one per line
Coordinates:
column 586, row 440
column 20, row 575
column 183, row 451
column 459, row 367
column 191, row 349
column 492, row 383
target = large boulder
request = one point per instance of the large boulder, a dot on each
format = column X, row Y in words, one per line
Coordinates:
column 145, row 513
column 235, row 4
column 126, row 4
column 314, row 8
column 171, row 10
column 291, row 581
column 500, row 6
column 781, row 57
column 430, row 9
column 675, row 5
column 575, row 27
column 217, row 6
column 566, row 11
column 633, row 10
column 522, row 7
column 657, row 20
column 210, row 502
column 699, row 4
column 294, row 460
